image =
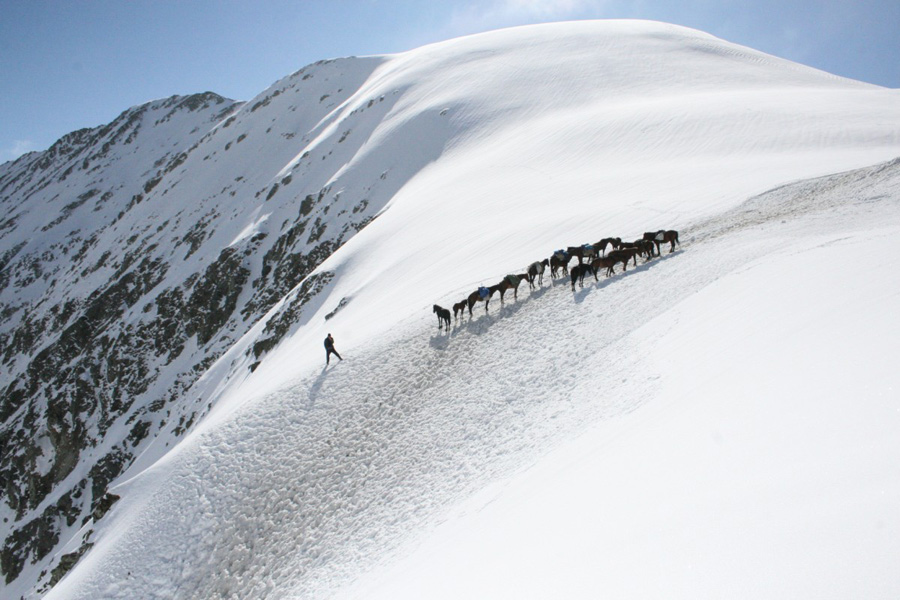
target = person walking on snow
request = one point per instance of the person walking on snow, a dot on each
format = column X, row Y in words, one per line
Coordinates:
column 329, row 349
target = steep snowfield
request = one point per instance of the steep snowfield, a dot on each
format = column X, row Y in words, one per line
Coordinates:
column 762, row 461
column 661, row 442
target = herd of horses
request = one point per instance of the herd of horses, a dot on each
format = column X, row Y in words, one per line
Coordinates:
column 591, row 258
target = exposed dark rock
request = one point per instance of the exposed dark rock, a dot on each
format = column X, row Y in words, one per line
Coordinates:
column 102, row 506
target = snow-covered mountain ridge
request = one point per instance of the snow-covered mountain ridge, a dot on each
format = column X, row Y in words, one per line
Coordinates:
column 204, row 273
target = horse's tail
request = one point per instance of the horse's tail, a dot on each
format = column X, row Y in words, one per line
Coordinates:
column 676, row 239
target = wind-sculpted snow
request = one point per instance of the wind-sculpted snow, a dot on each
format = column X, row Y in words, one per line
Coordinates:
column 170, row 275
column 300, row 492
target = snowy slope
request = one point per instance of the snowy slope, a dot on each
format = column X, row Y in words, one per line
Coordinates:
column 740, row 441
column 669, row 453
column 477, row 156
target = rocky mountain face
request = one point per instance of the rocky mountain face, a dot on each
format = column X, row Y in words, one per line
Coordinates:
column 133, row 255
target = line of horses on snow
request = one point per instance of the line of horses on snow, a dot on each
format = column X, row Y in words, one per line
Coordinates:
column 591, row 258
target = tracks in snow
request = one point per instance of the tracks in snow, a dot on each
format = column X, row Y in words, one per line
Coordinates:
column 305, row 489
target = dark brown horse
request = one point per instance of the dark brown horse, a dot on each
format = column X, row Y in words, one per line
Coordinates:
column 645, row 247
column 585, row 252
column 578, row 272
column 623, row 256
column 642, row 246
column 605, row 242
column 670, row 236
column 477, row 297
column 443, row 316
column 559, row 260
column 458, row 309
column 604, row 263
column 536, row 270
column 510, row 282
column 650, row 236
column 662, row 236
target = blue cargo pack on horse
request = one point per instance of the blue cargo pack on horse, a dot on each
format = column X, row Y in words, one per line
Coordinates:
column 559, row 260
column 585, row 251
column 482, row 294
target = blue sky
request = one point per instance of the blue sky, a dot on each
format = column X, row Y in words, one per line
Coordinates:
column 70, row 64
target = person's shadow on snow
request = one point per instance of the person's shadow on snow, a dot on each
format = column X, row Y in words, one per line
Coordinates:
column 316, row 387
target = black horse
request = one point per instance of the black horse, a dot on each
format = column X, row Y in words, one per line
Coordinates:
column 579, row 271
column 443, row 316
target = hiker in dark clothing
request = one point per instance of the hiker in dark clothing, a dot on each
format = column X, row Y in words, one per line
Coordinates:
column 329, row 349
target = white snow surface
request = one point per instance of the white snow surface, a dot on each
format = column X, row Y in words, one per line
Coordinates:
column 722, row 421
